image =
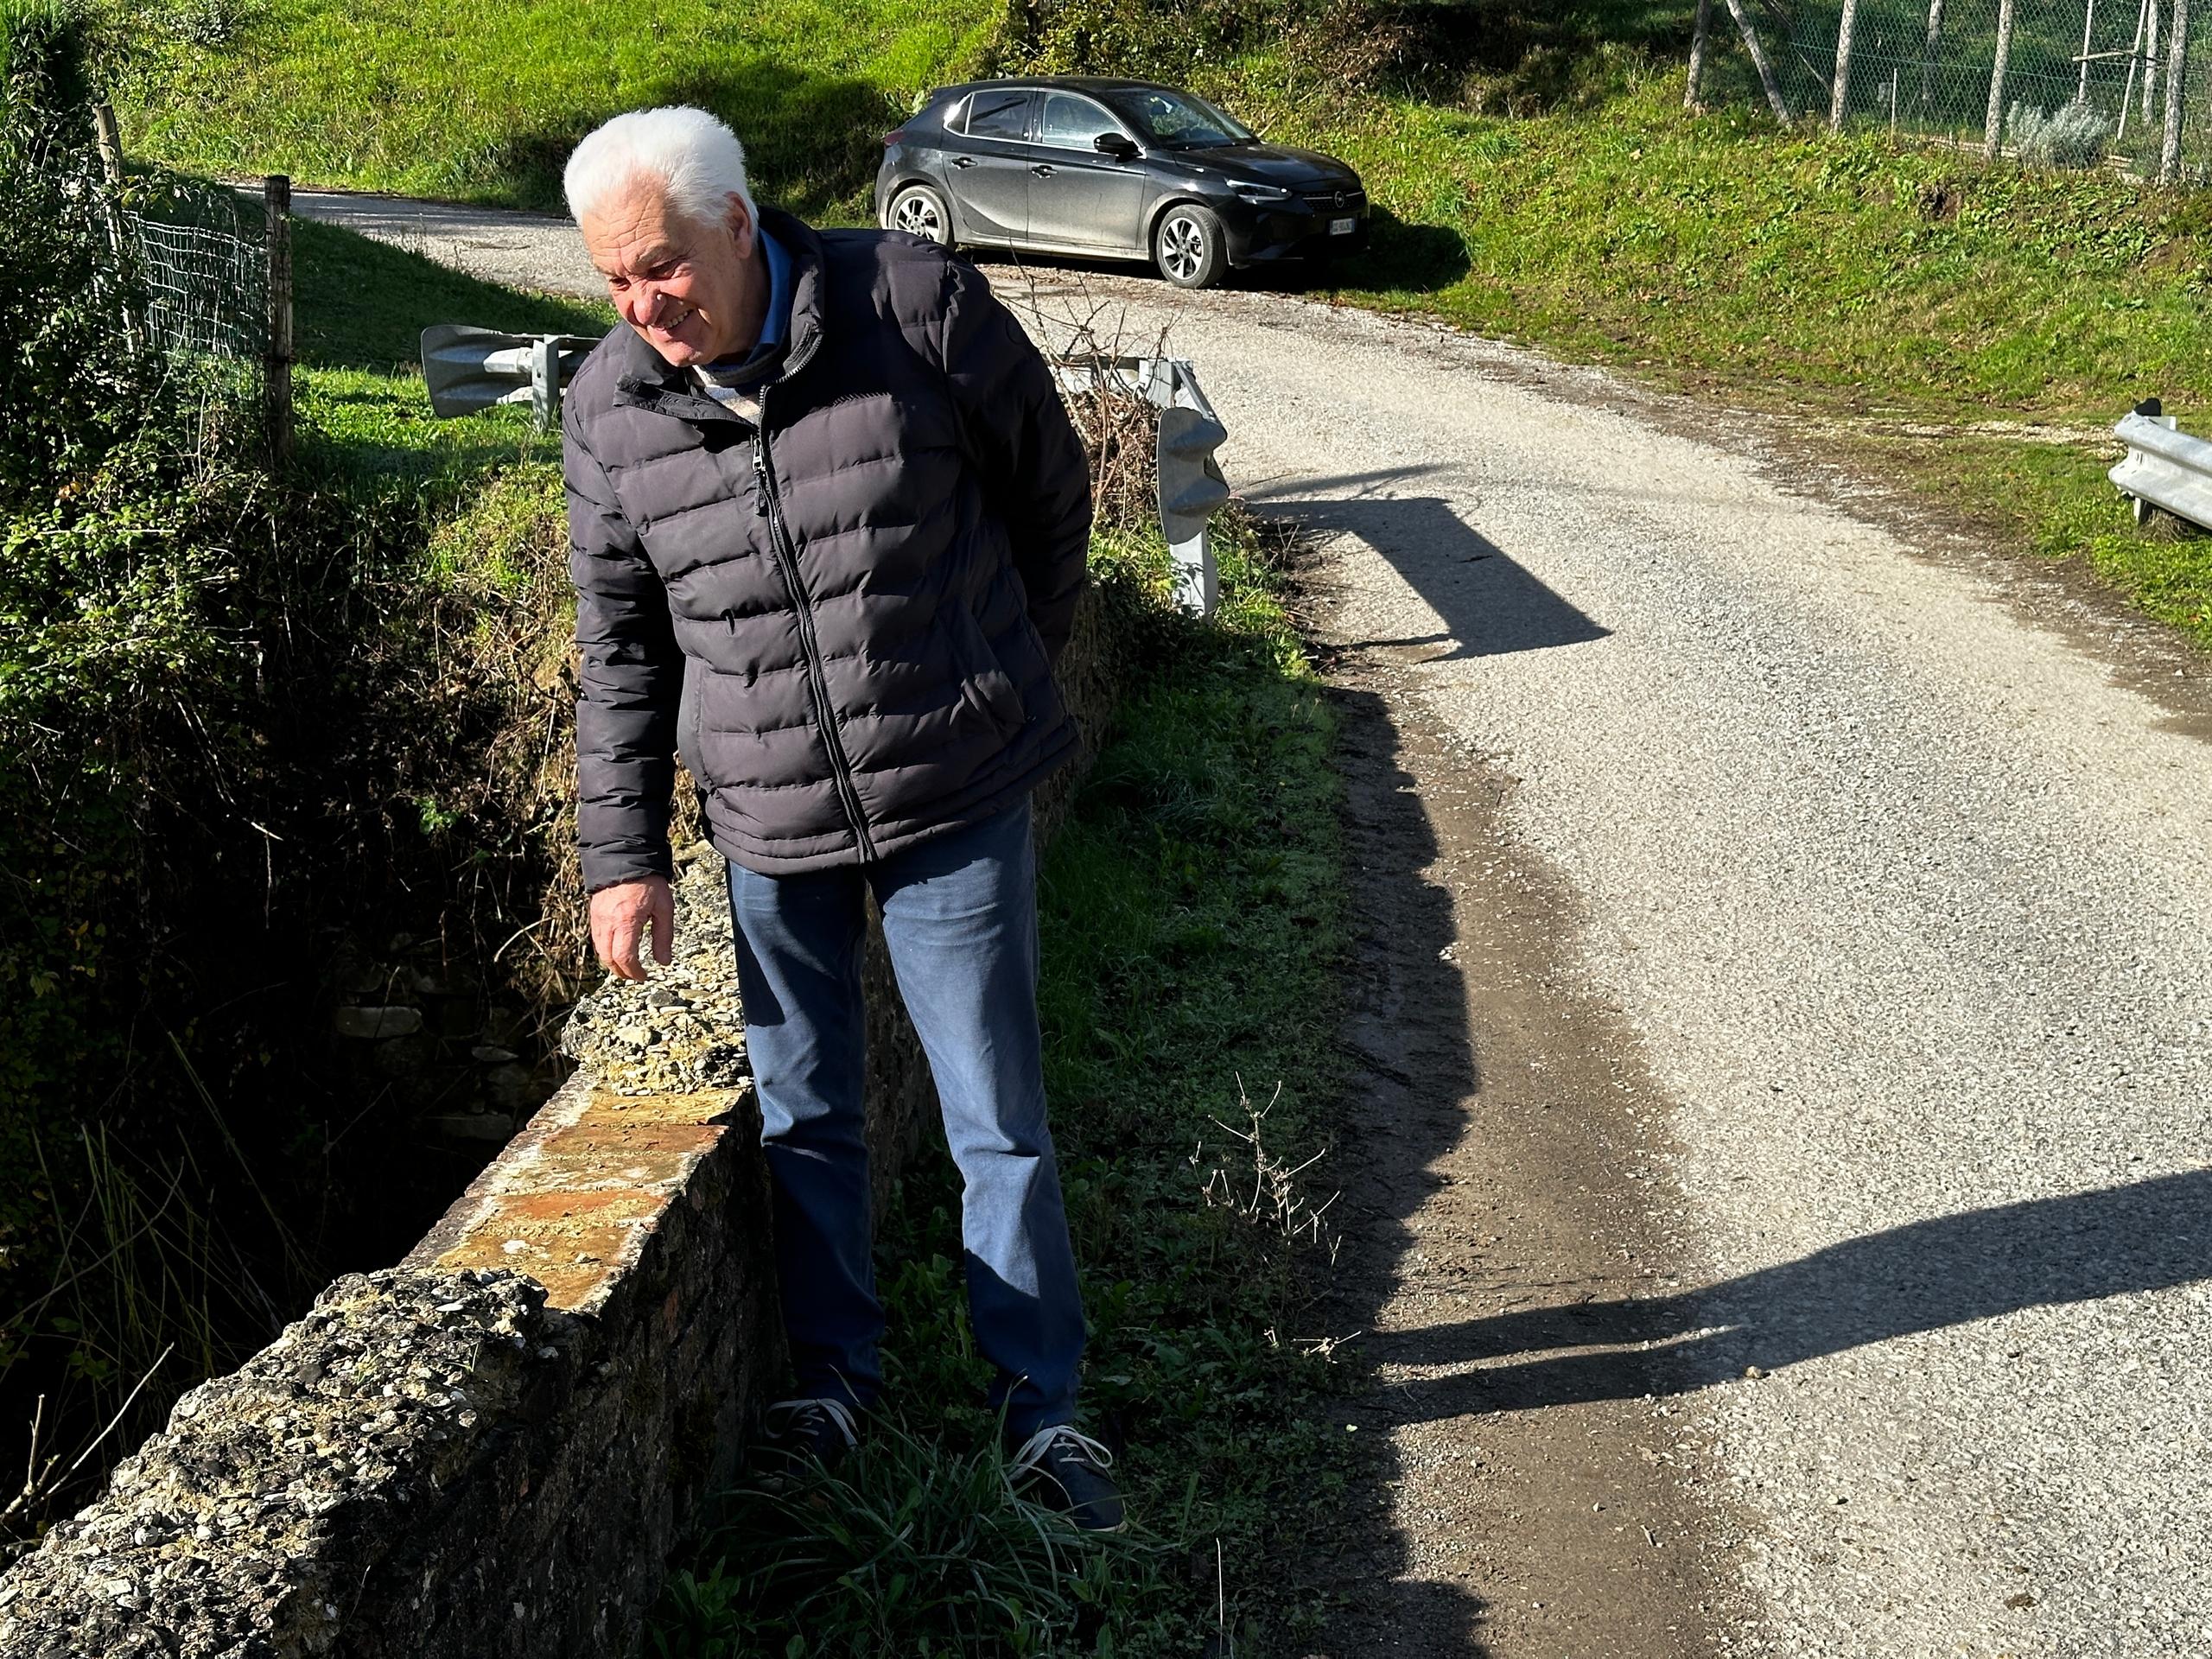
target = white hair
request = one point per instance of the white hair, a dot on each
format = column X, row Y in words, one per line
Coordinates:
column 693, row 158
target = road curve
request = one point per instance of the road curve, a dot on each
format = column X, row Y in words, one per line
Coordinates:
column 1899, row 872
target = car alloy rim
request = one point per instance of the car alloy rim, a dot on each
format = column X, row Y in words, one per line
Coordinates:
column 1182, row 248
column 916, row 214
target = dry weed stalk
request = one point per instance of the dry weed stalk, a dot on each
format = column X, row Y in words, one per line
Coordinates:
column 1274, row 1201
column 1119, row 429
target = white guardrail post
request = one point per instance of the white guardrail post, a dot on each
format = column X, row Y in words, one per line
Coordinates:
column 2166, row 468
column 1192, row 487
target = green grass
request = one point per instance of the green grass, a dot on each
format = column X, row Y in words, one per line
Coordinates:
column 1192, row 919
column 481, row 100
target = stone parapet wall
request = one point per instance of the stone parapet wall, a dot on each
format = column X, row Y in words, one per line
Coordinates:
column 491, row 1449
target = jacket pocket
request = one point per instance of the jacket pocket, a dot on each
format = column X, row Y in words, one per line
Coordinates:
column 985, row 686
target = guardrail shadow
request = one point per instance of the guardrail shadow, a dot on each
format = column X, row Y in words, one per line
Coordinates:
column 1930, row 1275
column 1488, row 602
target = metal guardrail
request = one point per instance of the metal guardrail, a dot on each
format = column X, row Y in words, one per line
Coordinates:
column 1190, row 485
column 2166, row 468
column 471, row 369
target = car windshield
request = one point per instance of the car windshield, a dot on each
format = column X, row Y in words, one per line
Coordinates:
column 1179, row 120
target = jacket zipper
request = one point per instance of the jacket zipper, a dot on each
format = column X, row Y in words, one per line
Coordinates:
column 841, row 765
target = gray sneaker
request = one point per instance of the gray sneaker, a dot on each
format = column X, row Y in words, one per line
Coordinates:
column 1069, row 1470
column 796, row 1432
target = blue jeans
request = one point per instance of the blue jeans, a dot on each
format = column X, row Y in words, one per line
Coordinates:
column 960, row 915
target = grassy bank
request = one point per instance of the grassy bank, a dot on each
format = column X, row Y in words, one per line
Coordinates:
column 1192, row 917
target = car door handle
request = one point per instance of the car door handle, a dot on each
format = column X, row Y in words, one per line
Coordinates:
column 1042, row 169
column 964, row 161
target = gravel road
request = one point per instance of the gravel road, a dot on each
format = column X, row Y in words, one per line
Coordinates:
column 1893, row 861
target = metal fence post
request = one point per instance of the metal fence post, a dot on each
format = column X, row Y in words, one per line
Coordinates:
column 2177, row 60
column 1846, row 26
column 1993, row 127
column 277, row 358
column 1699, row 32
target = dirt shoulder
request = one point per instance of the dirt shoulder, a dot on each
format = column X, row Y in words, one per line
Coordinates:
column 1501, row 1152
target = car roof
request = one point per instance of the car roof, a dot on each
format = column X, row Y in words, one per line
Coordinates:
column 1055, row 84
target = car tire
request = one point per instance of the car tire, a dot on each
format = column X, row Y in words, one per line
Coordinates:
column 1189, row 245
column 918, row 210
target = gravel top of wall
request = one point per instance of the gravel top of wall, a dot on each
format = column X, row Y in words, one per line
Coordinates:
column 248, row 1527
column 684, row 1028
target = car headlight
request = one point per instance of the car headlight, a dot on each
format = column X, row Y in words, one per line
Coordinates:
column 1256, row 193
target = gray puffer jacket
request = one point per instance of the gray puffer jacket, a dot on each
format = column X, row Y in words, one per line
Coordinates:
column 844, row 623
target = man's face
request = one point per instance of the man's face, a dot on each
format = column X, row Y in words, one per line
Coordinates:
column 694, row 290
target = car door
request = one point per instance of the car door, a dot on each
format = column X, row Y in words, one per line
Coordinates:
column 1078, row 196
column 987, row 166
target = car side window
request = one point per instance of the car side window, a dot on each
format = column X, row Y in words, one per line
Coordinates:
column 1072, row 123
column 999, row 115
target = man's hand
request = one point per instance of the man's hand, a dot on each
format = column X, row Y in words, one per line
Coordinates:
column 619, row 916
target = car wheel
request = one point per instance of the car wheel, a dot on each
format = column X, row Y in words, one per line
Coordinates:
column 1188, row 246
column 919, row 211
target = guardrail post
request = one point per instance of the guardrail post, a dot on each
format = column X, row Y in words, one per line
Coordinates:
column 277, row 359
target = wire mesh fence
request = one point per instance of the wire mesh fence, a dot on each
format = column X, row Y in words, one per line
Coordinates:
column 203, row 264
column 2099, row 68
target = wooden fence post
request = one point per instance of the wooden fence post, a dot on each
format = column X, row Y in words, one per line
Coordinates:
column 2177, row 60
column 277, row 359
column 108, row 138
column 1994, row 129
column 1846, row 28
column 1759, row 60
column 1699, row 31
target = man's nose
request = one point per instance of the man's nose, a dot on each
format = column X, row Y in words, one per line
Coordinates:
column 645, row 305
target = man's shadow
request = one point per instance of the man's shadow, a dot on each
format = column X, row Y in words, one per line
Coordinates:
column 2153, row 1234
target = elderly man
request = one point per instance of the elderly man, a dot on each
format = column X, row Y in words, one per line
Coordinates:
column 830, row 521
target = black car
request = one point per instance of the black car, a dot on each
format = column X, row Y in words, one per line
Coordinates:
column 1112, row 169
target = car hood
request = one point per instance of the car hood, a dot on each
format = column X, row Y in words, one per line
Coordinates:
column 1275, row 164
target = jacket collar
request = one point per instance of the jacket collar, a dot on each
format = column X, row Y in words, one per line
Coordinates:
column 645, row 379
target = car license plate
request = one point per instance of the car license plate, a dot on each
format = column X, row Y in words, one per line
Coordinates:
column 1342, row 227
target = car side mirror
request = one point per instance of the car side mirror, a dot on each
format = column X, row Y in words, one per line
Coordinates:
column 1117, row 145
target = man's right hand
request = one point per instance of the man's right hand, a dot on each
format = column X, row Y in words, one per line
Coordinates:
column 618, row 917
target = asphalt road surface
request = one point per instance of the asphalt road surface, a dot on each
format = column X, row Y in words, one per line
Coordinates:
column 1884, row 864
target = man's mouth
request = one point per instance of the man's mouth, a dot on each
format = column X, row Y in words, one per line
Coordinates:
column 673, row 323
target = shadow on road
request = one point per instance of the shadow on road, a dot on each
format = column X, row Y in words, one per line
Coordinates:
column 2154, row 1234
column 1489, row 603
column 1405, row 1029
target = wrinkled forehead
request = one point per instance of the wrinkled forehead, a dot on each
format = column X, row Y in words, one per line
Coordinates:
column 635, row 229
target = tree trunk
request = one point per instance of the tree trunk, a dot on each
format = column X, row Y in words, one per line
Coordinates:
column 1927, row 54
column 1698, row 34
column 1759, row 60
column 2177, row 58
column 1840, row 92
column 1992, row 132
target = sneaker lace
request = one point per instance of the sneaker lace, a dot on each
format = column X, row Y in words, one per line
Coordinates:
column 1032, row 1451
column 791, row 1416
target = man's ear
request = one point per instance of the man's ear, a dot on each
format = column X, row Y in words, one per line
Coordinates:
column 741, row 226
